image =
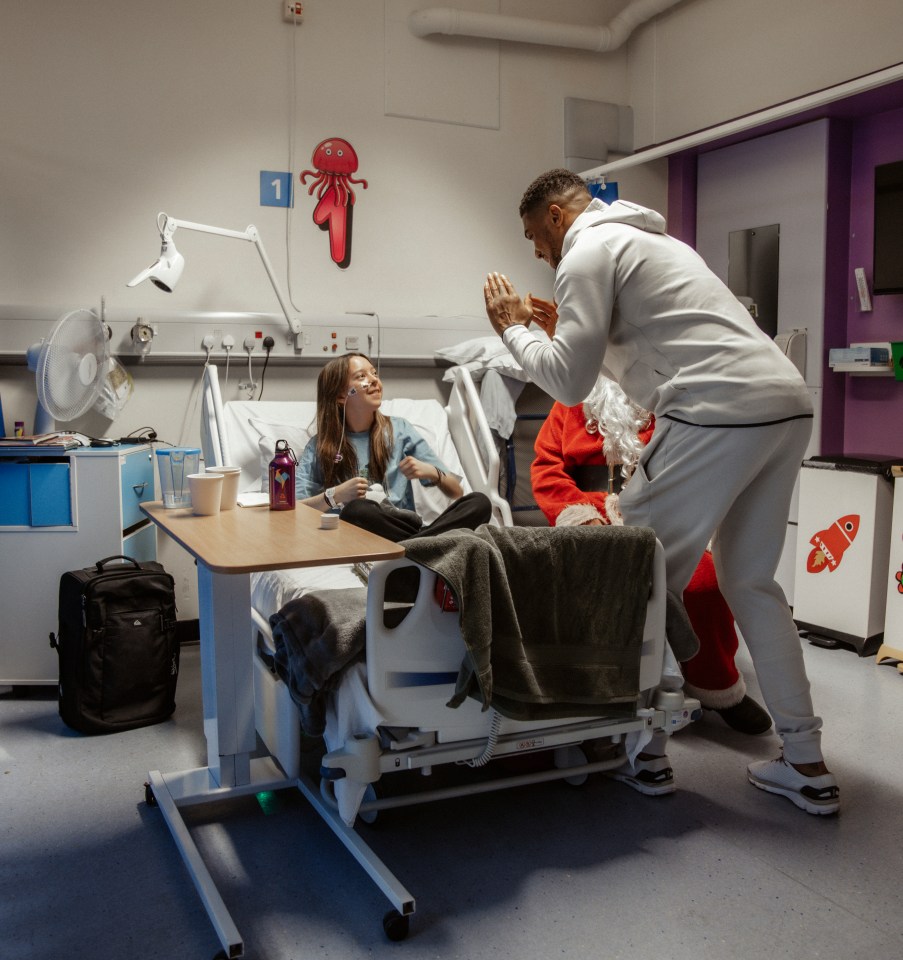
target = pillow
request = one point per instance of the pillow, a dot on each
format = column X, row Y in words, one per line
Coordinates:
column 479, row 349
column 486, row 353
column 268, row 433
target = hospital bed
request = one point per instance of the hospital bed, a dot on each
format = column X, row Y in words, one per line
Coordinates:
column 389, row 714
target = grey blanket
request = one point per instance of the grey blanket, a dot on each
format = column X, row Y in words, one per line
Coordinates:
column 552, row 621
column 316, row 637
column 552, row 618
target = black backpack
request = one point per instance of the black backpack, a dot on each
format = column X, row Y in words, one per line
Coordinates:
column 117, row 646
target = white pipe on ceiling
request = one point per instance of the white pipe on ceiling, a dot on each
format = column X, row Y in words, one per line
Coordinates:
column 490, row 26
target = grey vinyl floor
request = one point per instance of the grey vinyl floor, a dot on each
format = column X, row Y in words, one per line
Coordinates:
column 718, row 870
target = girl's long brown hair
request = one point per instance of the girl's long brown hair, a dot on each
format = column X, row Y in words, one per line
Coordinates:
column 333, row 381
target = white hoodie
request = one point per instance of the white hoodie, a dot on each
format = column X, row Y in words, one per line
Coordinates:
column 647, row 309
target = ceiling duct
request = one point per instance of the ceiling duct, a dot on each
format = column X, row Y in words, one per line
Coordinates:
column 491, row 26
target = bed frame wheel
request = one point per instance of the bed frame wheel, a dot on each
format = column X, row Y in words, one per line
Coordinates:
column 149, row 797
column 571, row 756
column 396, row 926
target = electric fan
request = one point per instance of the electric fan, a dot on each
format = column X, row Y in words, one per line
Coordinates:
column 69, row 368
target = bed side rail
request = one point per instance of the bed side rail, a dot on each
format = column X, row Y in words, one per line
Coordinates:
column 475, row 444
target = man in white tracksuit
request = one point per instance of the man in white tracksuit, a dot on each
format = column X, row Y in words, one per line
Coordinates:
column 733, row 419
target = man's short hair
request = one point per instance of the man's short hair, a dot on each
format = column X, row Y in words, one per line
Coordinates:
column 553, row 186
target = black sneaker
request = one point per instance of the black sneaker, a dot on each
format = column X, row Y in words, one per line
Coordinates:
column 746, row 717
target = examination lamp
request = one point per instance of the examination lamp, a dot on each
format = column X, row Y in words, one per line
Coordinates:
column 166, row 270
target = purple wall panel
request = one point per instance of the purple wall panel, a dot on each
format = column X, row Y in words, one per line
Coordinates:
column 873, row 408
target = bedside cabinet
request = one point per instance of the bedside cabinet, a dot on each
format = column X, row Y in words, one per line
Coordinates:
column 59, row 511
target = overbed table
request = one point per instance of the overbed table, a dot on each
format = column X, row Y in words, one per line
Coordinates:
column 229, row 547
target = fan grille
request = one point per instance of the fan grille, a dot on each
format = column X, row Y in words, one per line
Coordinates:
column 72, row 365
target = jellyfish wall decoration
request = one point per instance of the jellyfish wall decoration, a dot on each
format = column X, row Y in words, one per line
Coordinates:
column 334, row 163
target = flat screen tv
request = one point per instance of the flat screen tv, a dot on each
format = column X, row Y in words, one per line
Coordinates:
column 887, row 271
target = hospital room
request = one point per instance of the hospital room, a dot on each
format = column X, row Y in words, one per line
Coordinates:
column 599, row 287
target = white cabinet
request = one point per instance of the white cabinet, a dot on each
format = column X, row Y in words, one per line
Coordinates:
column 59, row 511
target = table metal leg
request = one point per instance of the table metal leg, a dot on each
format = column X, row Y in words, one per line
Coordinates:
column 227, row 666
column 194, row 787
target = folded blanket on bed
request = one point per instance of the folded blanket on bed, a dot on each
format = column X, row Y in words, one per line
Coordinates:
column 316, row 637
column 552, row 618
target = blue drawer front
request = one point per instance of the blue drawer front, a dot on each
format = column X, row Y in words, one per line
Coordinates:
column 137, row 480
column 51, row 504
column 35, row 494
column 14, row 508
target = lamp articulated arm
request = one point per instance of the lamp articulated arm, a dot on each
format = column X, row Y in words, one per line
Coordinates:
column 169, row 255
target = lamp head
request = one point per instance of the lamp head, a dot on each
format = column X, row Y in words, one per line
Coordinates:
column 165, row 271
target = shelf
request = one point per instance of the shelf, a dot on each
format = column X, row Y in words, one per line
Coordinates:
column 866, row 370
column 859, row 370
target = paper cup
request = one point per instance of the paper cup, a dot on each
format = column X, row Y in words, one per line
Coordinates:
column 206, row 492
column 231, row 476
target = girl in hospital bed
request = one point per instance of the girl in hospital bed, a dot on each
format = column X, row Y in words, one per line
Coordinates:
column 365, row 463
column 575, row 450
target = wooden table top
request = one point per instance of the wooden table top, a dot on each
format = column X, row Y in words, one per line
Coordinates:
column 246, row 539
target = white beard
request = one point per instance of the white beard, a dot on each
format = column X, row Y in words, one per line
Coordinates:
column 608, row 411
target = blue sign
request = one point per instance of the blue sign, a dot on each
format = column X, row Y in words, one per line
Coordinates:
column 275, row 189
column 607, row 192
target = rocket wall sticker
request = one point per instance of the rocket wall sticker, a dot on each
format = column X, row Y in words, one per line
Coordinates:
column 829, row 545
column 334, row 163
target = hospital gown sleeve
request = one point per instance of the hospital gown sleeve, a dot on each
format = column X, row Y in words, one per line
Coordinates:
column 412, row 444
column 308, row 478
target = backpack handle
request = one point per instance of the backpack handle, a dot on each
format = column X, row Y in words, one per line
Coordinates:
column 119, row 556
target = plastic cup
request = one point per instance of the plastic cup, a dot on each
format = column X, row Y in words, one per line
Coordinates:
column 175, row 464
column 231, row 476
column 206, row 492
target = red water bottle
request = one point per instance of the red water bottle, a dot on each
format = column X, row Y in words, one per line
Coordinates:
column 282, row 477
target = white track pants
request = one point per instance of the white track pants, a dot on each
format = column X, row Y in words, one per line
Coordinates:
column 733, row 485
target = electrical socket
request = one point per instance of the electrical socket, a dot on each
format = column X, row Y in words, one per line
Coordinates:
column 250, row 344
column 268, row 343
column 292, row 12
column 208, row 341
column 228, row 341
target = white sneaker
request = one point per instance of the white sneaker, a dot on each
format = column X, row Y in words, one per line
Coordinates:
column 653, row 777
column 818, row 795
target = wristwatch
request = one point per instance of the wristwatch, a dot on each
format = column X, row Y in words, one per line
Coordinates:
column 330, row 497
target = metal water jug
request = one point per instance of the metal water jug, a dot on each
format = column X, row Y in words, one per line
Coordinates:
column 282, row 477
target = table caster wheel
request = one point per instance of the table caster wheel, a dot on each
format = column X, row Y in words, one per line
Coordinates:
column 149, row 797
column 396, row 926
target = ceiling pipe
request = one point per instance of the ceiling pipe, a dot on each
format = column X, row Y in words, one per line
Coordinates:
column 491, row 26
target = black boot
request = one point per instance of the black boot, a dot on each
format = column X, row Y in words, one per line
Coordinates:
column 745, row 717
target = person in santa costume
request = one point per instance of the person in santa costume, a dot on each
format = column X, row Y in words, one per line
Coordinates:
column 584, row 454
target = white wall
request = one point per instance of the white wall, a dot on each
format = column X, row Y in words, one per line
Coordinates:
column 708, row 61
column 114, row 112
